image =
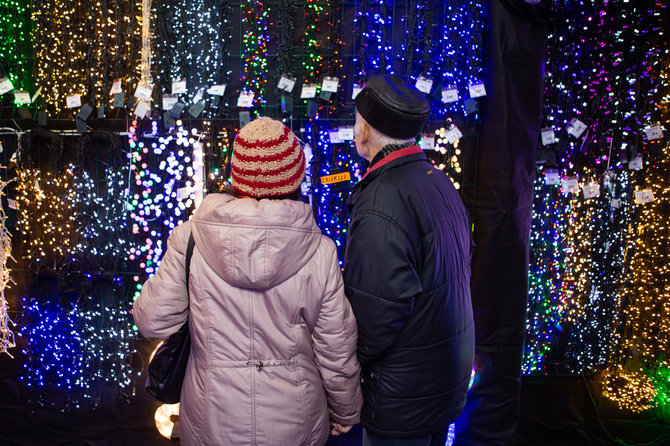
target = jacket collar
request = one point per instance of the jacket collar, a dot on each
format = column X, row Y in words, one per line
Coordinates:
column 394, row 159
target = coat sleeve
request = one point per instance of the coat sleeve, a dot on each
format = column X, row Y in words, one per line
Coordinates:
column 334, row 340
column 380, row 281
column 162, row 307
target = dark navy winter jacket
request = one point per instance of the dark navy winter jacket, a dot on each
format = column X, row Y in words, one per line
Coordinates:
column 407, row 276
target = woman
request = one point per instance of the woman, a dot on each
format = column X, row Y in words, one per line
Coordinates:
column 273, row 338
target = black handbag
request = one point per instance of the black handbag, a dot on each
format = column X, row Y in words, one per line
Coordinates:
column 168, row 366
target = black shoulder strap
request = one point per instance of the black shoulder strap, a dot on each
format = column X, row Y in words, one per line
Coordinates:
column 189, row 254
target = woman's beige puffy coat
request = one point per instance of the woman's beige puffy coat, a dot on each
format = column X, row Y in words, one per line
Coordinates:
column 273, row 352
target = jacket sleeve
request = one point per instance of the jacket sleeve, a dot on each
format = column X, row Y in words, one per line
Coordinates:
column 334, row 341
column 380, row 281
column 162, row 307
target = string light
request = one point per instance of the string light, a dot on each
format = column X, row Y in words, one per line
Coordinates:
column 163, row 192
column 593, row 259
column 80, row 48
column 254, row 49
column 6, row 333
column 14, row 32
column 191, row 43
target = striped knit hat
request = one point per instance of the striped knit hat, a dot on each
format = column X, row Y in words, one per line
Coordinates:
column 267, row 160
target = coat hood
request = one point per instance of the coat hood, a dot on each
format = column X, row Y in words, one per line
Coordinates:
column 249, row 242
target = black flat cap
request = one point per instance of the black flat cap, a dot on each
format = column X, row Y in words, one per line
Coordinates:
column 393, row 106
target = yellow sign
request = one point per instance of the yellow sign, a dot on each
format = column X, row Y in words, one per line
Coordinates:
column 336, row 178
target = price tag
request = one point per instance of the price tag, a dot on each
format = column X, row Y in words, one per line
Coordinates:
column 357, row 89
column 576, row 127
column 424, row 85
column 184, row 192
column 591, row 190
column 217, row 90
column 116, row 87
column 246, row 99
column 644, row 196
column 179, row 86
column 449, row 94
column 5, row 85
column 198, row 96
column 427, row 141
column 615, row 203
column 453, row 135
column 36, row 95
column 73, row 101
column 336, row 178
column 346, row 133
column 635, row 163
column 144, row 91
column 142, row 109
column 169, row 101
column 11, row 203
column 335, row 137
column 548, row 136
column 551, row 177
column 286, row 83
column 570, row 186
column 308, row 91
column 654, row 132
column 477, row 90
column 22, row 97
column 330, row 84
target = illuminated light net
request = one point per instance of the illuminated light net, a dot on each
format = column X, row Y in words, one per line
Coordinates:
column 6, row 333
column 163, row 191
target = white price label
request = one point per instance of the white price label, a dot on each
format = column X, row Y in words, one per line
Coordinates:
column 22, row 97
column 11, row 203
column 335, row 137
column 198, row 96
column 73, row 101
column 142, row 109
column 453, row 135
column 346, row 133
column 477, row 90
column 644, row 196
column 357, row 89
column 449, row 94
column 169, row 101
column 116, row 87
column 548, row 136
column 591, row 190
column 184, row 192
column 286, row 83
column 36, row 95
column 144, row 91
column 615, row 203
column 427, row 141
column 217, row 90
column 246, row 99
column 308, row 91
column 551, row 177
column 635, row 163
column 570, row 185
column 179, row 86
column 423, row 84
column 5, row 85
column 330, row 84
column 576, row 127
column 655, row 132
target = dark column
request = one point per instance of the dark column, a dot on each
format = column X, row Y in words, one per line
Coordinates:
column 514, row 48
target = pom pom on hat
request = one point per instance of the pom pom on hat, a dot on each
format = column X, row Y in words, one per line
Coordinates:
column 267, row 160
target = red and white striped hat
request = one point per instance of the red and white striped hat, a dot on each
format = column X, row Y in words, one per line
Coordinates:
column 267, row 160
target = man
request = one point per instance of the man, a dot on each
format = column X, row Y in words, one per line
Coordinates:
column 407, row 275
